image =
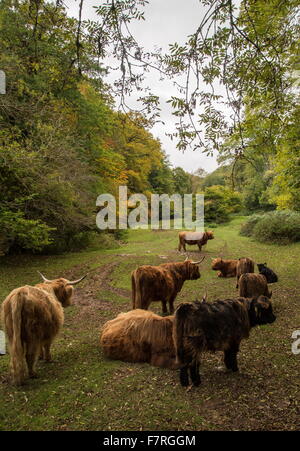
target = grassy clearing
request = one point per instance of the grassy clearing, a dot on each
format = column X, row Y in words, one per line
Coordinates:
column 83, row 391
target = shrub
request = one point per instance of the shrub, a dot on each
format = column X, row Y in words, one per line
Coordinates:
column 281, row 227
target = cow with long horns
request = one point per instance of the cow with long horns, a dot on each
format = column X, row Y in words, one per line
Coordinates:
column 161, row 283
column 32, row 317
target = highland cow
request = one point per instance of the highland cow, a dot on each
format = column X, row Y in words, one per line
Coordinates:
column 226, row 268
column 217, row 326
column 253, row 285
column 267, row 272
column 32, row 317
column 161, row 283
column 191, row 238
column 140, row 336
column 244, row 265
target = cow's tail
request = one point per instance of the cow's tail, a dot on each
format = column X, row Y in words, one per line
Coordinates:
column 17, row 351
column 178, row 331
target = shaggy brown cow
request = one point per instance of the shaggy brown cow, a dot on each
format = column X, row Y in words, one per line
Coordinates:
column 226, row 268
column 244, row 265
column 161, row 283
column 140, row 336
column 252, row 285
column 216, row 326
column 194, row 238
column 32, row 317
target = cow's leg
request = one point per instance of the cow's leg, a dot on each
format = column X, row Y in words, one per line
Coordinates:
column 230, row 358
column 194, row 373
column 32, row 353
column 171, row 304
column 200, row 247
column 47, row 353
column 184, row 376
column 164, row 307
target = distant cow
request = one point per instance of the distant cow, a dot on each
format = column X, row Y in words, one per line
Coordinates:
column 252, row 285
column 226, row 268
column 199, row 238
column 217, row 326
column 267, row 272
column 244, row 265
column 32, row 317
column 140, row 336
column 161, row 283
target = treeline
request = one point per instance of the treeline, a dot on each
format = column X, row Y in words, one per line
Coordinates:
column 62, row 143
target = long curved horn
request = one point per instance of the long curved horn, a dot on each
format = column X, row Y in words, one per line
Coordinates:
column 198, row 263
column 74, row 282
column 44, row 278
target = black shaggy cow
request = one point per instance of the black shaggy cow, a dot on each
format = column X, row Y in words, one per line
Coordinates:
column 217, row 326
column 267, row 272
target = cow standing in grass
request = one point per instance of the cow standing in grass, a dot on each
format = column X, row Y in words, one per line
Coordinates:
column 217, row 326
column 161, row 283
column 244, row 265
column 32, row 317
column 191, row 238
column 252, row 285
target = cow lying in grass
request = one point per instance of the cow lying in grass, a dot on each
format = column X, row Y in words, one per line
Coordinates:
column 32, row 317
column 244, row 265
column 140, row 336
column 226, row 268
column 161, row 283
column 267, row 272
column 253, row 285
column 216, row 326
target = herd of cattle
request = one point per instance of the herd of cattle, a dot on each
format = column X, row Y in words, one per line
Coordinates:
column 33, row 315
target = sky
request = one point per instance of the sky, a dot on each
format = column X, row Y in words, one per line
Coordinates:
column 167, row 21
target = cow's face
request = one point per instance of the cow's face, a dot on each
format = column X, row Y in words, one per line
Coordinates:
column 216, row 264
column 261, row 266
column 63, row 291
column 193, row 271
column 210, row 235
column 261, row 311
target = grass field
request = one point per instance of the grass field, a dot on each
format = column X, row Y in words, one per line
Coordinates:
column 82, row 390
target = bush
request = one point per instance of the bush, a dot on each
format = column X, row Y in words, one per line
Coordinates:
column 281, row 227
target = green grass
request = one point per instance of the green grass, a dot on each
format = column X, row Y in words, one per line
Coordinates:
column 82, row 390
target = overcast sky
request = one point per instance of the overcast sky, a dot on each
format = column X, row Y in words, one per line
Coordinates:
column 166, row 21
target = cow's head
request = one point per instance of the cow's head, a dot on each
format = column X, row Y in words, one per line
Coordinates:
column 261, row 311
column 261, row 266
column 210, row 235
column 193, row 271
column 63, row 288
column 217, row 263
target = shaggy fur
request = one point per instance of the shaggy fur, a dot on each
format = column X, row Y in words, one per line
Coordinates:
column 226, row 268
column 32, row 317
column 183, row 241
column 244, row 265
column 269, row 274
column 140, row 336
column 216, row 326
column 161, row 283
column 253, row 285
